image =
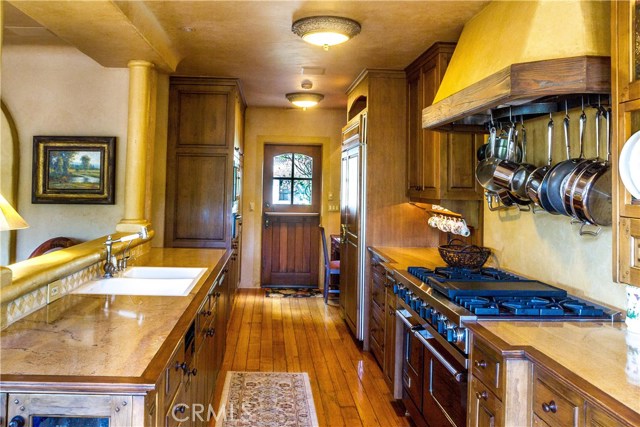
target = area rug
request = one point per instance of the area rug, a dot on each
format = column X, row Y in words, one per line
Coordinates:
column 267, row 399
column 293, row 293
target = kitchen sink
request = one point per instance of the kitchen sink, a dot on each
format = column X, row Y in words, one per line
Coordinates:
column 163, row 272
column 150, row 281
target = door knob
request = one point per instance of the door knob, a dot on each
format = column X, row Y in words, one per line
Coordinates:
column 267, row 223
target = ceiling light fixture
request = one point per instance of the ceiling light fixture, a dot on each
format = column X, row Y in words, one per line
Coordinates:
column 326, row 31
column 304, row 99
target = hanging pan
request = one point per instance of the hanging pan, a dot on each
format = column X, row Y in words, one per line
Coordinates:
column 522, row 173
column 570, row 182
column 486, row 167
column 591, row 195
column 534, row 184
column 558, row 173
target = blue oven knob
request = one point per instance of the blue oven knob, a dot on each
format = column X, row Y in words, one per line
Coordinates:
column 395, row 288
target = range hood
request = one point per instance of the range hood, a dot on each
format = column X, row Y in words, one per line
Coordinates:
column 515, row 53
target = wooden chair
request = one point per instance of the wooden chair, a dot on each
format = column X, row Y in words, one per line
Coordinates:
column 53, row 245
column 331, row 268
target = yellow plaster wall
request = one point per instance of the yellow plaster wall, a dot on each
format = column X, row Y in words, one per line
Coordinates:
column 507, row 32
column 60, row 91
column 285, row 126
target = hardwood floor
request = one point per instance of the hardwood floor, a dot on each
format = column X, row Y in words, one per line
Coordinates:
column 305, row 335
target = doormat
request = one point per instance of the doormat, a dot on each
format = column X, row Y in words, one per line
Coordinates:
column 293, row 292
column 267, row 399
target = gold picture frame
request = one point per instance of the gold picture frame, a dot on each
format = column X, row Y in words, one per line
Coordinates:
column 74, row 169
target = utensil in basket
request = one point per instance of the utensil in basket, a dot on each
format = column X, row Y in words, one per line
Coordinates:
column 464, row 256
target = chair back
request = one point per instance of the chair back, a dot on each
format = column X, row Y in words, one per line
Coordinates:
column 324, row 247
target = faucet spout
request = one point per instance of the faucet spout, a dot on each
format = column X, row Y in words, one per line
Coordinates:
column 109, row 268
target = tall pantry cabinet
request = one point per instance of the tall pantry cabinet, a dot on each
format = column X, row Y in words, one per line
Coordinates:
column 206, row 118
column 374, row 207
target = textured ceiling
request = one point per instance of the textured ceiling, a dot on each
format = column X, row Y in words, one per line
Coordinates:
column 249, row 40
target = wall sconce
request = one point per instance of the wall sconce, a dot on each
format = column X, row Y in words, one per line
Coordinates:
column 304, row 99
column 326, row 31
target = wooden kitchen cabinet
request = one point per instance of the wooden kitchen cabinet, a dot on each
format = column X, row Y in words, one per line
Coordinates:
column 439, row 165
column 382, row 318
column 116, row 409
column 485, row 409
column 625, row 59
column 205, row 131
column 511, row 388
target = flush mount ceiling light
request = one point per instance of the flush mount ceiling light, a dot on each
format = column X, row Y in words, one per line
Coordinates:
column 304, row 99
column 326, row 31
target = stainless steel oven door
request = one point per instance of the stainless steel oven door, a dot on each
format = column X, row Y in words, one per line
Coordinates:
column 444, row 385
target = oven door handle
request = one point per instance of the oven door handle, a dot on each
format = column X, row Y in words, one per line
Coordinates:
column 407, row 322
column 459, row 376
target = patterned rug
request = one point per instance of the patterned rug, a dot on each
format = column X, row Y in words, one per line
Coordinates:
column 268, row 399
column 293, row 293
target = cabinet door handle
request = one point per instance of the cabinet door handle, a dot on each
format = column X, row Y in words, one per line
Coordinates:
column 482, row 395
column 179, row 408
column 480, row 364
column 549, row 407
column 182, row 366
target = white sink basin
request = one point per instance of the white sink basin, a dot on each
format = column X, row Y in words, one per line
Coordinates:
column 164, row 272
column 150, row 281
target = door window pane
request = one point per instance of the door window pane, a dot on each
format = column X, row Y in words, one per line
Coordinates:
column 292, row 179
column 302, row 192
column 303, row 166
column 281, row 191
column 282, row 166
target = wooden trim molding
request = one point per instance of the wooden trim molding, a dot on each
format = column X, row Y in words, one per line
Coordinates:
column 519, row 84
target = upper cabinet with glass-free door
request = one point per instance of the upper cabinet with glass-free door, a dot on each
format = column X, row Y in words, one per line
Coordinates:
column 625, row 60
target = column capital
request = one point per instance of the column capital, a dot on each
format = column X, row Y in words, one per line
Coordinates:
column 140, row 63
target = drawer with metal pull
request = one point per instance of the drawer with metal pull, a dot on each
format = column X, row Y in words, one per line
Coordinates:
column 486, row 365
column 555, row 403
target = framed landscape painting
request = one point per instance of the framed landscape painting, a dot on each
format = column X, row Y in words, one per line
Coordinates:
column 74, row 169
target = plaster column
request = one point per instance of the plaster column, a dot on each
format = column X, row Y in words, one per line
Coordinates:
column 141, row 94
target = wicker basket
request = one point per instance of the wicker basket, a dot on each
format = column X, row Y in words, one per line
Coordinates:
column 464, row 256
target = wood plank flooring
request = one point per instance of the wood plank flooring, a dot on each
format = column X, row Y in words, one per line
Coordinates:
column 305, row 335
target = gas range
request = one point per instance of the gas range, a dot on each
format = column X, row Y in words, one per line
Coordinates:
column 444, row 298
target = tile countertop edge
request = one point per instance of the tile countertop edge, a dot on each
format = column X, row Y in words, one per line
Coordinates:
column 616, row 405
column 127, row 384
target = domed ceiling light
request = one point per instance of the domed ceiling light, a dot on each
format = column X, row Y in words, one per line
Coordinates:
column 326, row 31
column 304, row 100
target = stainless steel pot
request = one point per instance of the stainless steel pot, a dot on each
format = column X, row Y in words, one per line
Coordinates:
column 591, row 193
column 533, row 186
column 521, row 175
column 485, row 168
column 569, row 184
column 557, row 174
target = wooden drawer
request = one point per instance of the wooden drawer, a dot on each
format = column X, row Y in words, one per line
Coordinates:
column 537, row 422
column 378, row 295
column 174, row 373
column 597, row 417
column 485, row 408
column 377, row 327
column 555, row 403
column 487, row 366
column 377, row 349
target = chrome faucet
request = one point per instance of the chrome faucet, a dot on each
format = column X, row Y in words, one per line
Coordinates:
column 109, row 267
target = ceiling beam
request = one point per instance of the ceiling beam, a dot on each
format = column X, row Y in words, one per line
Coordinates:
column 110, row 32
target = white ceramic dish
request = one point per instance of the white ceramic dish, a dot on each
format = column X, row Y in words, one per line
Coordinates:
column 634, row 166
column 626, row 165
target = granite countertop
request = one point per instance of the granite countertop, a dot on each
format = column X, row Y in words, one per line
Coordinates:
column 603, row 354
column 104, row 338
column 400, row 258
